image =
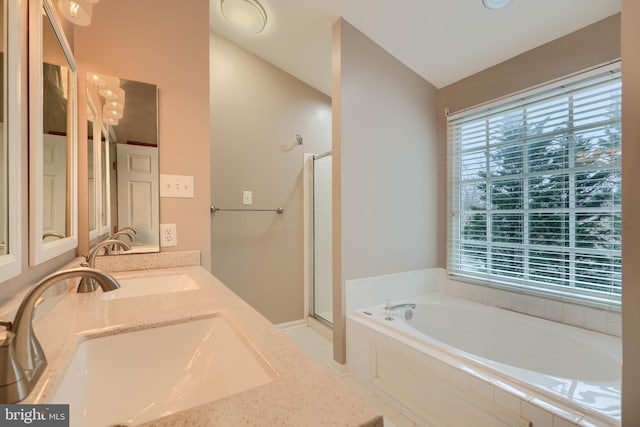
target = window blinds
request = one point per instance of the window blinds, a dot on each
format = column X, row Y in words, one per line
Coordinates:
column 535, row 189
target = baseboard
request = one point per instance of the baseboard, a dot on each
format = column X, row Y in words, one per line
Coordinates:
column 320, row 328
column 339, row 368
column 291, row 325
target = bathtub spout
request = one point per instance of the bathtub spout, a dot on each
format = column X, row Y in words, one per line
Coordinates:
column 390, row 309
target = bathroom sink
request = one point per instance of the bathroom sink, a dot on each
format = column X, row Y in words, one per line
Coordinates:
column 139, row 376
column 136, row 286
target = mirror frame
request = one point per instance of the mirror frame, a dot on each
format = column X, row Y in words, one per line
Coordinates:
column 11, row 262
column 100, row 172
column 97, row 186
column 104, row 172
column 39, row 251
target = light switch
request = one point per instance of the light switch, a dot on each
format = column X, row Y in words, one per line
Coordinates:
column 180, row 186
column 247, row 198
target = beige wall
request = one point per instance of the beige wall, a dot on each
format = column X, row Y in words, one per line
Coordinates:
column 596, row 44
column 256, row 112
column 385, row 176
column 156, row 41
column 630, row 213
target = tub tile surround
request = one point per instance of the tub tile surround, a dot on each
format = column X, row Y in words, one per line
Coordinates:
column 364, row 343
column 596, row 317
column 301, row 393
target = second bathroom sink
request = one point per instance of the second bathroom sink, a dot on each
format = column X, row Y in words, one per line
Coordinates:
column 139, row 376
column 136, row 285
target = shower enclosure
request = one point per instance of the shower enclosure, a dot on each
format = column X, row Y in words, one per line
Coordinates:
column 319, row 244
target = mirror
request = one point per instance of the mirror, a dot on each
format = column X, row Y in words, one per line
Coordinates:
column 10, row 178
column 93, row 165
column 52, row 136
column 129, row 186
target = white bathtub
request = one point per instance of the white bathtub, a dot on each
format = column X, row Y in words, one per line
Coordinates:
column 568, row 372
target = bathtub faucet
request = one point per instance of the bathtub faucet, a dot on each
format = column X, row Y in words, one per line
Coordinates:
column 390, row 309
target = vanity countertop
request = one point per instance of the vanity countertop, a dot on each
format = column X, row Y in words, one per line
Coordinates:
column 303, row 393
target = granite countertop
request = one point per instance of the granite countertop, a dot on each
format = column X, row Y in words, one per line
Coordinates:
column 303, row 393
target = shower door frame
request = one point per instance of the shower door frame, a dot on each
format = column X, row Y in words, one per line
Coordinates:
column 309, row 238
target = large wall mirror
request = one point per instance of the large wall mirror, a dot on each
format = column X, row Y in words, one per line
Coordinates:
column 10, row 223
column 52, row 136
column 124, row 169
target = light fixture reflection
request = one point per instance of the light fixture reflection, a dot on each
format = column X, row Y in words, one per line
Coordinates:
column 112, row 95
column 246, row 15
column 76, row 11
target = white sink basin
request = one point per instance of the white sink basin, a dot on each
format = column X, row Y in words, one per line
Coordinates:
column 137, row 286
column 143, row 375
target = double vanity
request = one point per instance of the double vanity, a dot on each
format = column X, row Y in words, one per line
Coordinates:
column 174, row 346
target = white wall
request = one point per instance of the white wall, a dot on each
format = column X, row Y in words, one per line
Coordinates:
column 385, row 170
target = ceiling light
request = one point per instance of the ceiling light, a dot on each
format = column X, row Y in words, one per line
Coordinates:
column 246, row 15
column 496, row 4
column 76, row 11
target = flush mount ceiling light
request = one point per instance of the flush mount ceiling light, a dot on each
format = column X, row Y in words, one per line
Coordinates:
column 77, row 11
column 496, row 4
column 246, row 15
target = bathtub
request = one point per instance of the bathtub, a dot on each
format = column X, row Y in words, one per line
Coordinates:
column 515, row 368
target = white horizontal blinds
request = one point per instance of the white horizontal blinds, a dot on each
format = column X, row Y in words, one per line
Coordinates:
column 535, row 189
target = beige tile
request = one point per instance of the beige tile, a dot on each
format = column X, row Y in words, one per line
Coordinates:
column 508, row 401
column 539, row 417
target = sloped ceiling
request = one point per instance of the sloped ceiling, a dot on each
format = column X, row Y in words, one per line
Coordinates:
column 442, row 40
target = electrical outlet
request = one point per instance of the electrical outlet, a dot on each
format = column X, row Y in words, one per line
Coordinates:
column 168, row 235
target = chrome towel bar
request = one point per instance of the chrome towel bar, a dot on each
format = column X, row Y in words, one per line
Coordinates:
column 214, row 209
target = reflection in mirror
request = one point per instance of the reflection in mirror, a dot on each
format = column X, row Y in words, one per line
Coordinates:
column 92, row 171
column 4, row 213
column 130, row 193
column 10, row 140
column 55, row 93
column 105, row 212
column 52, row 137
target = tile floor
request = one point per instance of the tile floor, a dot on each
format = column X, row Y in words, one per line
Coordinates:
column 321, row 349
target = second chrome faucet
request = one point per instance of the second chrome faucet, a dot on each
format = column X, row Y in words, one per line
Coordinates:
column 87, row 284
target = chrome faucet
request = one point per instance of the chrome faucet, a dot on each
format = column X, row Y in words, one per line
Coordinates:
column 130, row 228
column 129, row 233
column 22, row 359
column 390, row 309
column 86, row 283
column 53, row 234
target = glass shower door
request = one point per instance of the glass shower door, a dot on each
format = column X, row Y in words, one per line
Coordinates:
column 322, row 283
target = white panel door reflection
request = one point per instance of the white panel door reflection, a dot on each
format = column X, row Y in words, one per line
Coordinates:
column 54, row 162
column 138, row 194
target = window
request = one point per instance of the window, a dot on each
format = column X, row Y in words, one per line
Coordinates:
column 535, row 189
